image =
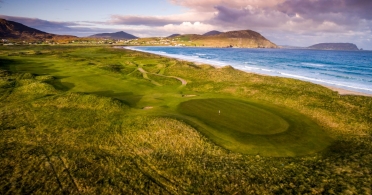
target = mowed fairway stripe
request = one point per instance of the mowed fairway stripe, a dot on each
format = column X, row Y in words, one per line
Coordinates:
column 253, row 128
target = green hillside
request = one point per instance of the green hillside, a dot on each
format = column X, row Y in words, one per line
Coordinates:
column 243, row 39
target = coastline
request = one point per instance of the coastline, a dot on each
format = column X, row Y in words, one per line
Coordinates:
column 341, row 92
column 346, row 92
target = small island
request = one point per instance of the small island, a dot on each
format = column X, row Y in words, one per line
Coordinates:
column 335, row 46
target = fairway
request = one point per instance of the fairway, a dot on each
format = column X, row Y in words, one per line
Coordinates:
column 252, row 128
column 98, row 120
column 237, row 125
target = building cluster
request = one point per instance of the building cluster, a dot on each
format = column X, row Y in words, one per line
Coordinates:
column 85, row 41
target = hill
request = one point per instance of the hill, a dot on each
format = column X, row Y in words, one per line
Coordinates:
column 242, row 39
column 116, row 35
column 291, row 47
column 335, row 46
column 213, row 32
column 173, row 35
column 15, row 30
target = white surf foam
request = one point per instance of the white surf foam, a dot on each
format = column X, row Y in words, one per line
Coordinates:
column 183, row 57
column 276, row 71
column 321, row 81
column 313, row 64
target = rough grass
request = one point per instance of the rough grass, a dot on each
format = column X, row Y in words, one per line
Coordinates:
column 93, row 137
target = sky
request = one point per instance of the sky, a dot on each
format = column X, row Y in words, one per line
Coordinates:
column 284, row 22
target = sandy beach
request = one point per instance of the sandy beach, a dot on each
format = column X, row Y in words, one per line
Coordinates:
column 347, row 92
column 339, row 90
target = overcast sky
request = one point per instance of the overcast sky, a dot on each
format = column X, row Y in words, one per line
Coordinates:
column 285, row 22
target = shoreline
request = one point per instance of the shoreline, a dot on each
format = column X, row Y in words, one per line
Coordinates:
column 341, row 92
column 346, row 92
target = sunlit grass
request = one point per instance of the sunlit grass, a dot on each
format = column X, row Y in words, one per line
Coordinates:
column 72, row 122
column 252, row 128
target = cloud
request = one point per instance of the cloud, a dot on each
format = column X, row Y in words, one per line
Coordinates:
column 274, row 18
column 344, row 14
column 159, row 20
column 208, row 5
column 43, row 25
column 187, row 28
column 297, row 22
column 248, row 17
column 80, row 29
column 166, row 30
column 139, row 26
column 354, row 8
column 142, row 20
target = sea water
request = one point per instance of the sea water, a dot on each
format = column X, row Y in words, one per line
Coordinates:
column 350, row 70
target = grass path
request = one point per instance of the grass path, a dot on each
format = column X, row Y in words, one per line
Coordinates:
column 144, row 73
column 183, row 81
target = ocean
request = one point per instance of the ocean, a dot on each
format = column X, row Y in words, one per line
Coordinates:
column 350, row 70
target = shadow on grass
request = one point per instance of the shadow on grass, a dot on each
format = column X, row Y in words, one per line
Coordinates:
column 59, row 85
column 5, row 63
column 345, row 148
column 127, row 98
column 24, row 66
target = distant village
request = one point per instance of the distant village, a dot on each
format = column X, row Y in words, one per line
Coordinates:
column 161, row 41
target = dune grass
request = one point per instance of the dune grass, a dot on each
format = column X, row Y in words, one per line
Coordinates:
column 72, row 121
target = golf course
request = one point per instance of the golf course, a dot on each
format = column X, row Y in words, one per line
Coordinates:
column 106, row 120
column 256, row 128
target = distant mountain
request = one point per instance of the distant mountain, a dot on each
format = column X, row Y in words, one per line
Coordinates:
column 291, row 47
column 335, row 46
column 117, row 35
column 213, row 32
column 174, row 35
column 15, row 30
column 242, row 38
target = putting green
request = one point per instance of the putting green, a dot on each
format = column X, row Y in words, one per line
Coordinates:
column 253, row 128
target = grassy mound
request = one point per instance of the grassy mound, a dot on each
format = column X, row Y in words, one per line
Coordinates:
column 253, row 128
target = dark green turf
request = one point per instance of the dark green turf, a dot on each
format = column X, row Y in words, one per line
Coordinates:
column 253, row 128
column 239, row 116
